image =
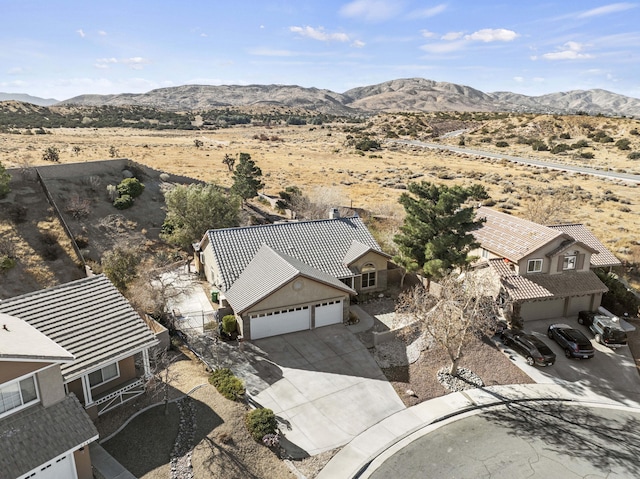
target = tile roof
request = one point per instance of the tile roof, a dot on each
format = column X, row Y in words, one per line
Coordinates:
column 356, row 251
column 581, row 233
column 509, row 236
column 543, row 286
column 36, row 435
column 322, row 244
column 268, row 271
column 20, row 341
column 88, row 317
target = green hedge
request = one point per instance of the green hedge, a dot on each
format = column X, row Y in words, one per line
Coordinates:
column 261, row 422
column 227, row 384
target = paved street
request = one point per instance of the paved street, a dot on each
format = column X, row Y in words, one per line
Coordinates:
column 533, row 439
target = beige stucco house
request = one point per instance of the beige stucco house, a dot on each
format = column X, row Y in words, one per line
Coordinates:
column 292, row 276
column 546, row 270
column 44, row 431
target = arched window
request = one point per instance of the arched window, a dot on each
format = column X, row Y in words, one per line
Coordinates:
column 368, row 276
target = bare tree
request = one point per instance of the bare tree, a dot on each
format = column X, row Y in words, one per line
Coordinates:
column 163, row 375
column 546, row 209
column 462, row 309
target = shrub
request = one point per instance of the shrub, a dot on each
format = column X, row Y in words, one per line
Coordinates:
column 5, row 179
column 587, row 155
column 560, row 148
column 580, row 144
column 635, row 155
column 230, row 386
column 502, row 144
column 6, row 263
column 565, row 136
column 124, row 202
column 367, row 145
column 261, row 422
column 229, row 324
column 51, row 154
column 623, row 144
column 18, row 213
column 131, row 187
column 539, row 145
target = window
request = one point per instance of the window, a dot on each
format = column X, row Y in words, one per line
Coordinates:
column 569, row 262
column 18, row 394
column 484, row 253
column 368, row 276
column 347, row 281
column 534, row 266
column 103, row 375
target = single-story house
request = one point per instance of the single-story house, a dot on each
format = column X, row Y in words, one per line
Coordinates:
column 546, row 270
column 286, row 277
column 90, row 319
column 44, row 432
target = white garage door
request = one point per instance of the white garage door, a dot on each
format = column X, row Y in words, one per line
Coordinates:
column 280, row 322
column 329, row 312
column 532, row 310
column 62, row 468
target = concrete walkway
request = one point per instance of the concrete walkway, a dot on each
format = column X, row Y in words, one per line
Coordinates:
column 106, row 465
column 367, row 451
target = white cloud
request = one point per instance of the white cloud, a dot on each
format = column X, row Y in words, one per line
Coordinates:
column 428, row 12
column 102, row 33
column 518, row 79
column 607, row 9
column 15, row 71
column 493, row 35
column 371, row 10
column 451, row 36
column 358, row 44
column 268, row 52
column 81, row 33
column 319, row 34
column 444, row 47
column 568, row 51
column 204, row 35
column 538, row 79
column 428, row 34
column 136, row 63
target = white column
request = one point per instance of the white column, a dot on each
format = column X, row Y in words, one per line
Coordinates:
column 145, row 363
column 86, row 390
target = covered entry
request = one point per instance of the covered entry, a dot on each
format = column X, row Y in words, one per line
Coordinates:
column 284, row 321
column 328, row 312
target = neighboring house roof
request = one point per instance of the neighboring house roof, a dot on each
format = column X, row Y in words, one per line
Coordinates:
column 603, row 257
column 322, row 244
column 36, row 435
column 20, row 341
column 88, row 317
column 546, row 286
column 356, row 251
column 268, row 271
column 509, row 236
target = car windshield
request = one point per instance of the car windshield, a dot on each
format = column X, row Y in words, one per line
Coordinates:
column 540, row 346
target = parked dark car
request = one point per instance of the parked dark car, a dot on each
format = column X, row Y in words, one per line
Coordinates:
column 574, row 343
column 533, row 349
column 606, row 330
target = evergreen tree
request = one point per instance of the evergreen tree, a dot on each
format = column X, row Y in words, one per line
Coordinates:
column 246, row 178
column 437, row 229
column 5, row 179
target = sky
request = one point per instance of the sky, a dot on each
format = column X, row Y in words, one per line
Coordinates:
column 64, row 48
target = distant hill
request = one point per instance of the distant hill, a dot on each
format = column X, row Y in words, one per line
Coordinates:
column 27, row 99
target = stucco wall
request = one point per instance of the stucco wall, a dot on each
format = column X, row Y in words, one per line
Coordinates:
column 379, row 262
column 127, row 372
column 14, row 369
column 550, row 265
column 83, row 463
column 51, row 385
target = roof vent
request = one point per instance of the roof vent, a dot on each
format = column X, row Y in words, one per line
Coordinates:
column 334, row 213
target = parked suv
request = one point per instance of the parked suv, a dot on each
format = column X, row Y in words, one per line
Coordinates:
column 533, row 349
column 574, row 343
column 606, row 330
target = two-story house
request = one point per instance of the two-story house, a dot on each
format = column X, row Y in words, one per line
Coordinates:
column 44, row 432
column 547, row 270
column 286, row 277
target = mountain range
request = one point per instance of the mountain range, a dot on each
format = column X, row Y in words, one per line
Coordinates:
column 409, row 94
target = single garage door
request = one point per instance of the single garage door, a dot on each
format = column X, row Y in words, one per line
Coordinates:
column 329, row 312
column 280, row 322
column 552, row 308
column 581, row 303
column 62, row 468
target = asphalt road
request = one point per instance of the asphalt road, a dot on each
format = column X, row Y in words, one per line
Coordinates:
column 614, row 175
column 529, row 439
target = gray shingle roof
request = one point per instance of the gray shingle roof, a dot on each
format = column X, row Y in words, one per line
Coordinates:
column 268, row 271
column 509, row 236
column 581, row 233
column 543, row 286
column 322, row 244
column 88, row 317
column 36, row 435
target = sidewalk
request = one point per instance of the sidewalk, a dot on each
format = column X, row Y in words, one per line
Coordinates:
column 106, row 465
column 379, row 440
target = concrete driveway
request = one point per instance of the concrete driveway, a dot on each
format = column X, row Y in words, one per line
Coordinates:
column 611, row 372
column 324, row 386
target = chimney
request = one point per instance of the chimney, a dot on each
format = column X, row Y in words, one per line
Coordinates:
column 334, row 213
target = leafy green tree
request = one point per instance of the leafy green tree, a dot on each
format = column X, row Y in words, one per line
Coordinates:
column 436, row 232
column 51, row 154
column 120, row 265
column 246, row 178
column 131, row 187
column 5, row 179
column 196, row 208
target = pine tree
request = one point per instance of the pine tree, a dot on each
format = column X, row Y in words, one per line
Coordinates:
column 5, row 179
column 246, row 178
column 437, row 229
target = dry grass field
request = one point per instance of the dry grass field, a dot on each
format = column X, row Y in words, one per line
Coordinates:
column 319, row 160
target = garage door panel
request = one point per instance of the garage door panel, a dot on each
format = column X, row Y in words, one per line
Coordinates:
column 280, row 323
column 60, row 468
column 328, row 313
column 578, row 304
column 533, row 310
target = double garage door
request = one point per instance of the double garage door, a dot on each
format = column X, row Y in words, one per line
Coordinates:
column 295, row 319
column 61, row 468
